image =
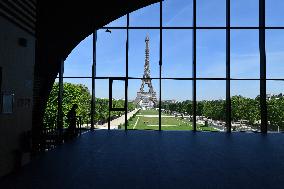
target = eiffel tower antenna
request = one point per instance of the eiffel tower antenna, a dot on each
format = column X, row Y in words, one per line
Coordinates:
column 146, row 99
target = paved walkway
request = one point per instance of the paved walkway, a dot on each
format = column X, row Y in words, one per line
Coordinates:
column 114, row 123
column 158, row 160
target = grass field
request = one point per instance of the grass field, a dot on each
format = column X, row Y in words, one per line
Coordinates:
column 149, row 120
column 148, row 112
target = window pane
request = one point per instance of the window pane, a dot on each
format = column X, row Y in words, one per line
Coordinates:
column 137, row 56
column 211, row 105
column 118, row 93
column 274, row 53
column 102, row 113
column 176, row 105
column 245, row 54
column 147, row 116
column 177, row 13
column 80, row 60
column 111, row 50
column 211, row 12
column 275, row 105
column 245, row 105
column 177, row 53
column 274, row 12
column 101, row 103
column 211, row 53
column 244, row 13
column 146, row 17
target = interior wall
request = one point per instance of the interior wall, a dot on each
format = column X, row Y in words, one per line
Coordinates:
column 17, row 59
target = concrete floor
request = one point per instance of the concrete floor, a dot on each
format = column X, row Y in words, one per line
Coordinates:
column 153, row 159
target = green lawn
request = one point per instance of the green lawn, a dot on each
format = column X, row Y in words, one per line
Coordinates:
column 168, row 123
column 148, row 112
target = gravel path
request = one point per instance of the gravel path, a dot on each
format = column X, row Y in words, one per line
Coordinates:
column 114, row 123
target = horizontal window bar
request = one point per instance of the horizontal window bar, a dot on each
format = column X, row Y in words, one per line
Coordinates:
column 181, row 78
column 243, row 27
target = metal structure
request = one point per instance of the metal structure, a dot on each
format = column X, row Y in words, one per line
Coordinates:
column 146, row 99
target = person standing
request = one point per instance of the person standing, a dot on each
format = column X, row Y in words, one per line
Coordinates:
column 71, row 116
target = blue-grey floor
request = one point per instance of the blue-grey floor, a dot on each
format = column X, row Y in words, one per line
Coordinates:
column 153, row 159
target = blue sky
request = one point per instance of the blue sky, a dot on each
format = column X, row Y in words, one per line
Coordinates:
column 177, row 50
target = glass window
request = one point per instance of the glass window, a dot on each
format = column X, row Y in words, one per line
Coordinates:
column 245, row 105
column 147, row 118
column 148, row 16
column 137, row 55
column 176, row 105
column 245, row 54
column 177, row 13
column 274, row 54
column 111, row 53
column 177, row 53
column 211, row 13
column 211, row 53
column 274, row 13
column 275, row 105
column 211, row 105
column 79, row 61
column 244, row 13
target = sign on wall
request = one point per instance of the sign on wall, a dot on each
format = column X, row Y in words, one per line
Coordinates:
column 7, row 102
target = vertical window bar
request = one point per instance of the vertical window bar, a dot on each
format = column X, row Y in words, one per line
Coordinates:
column 228, row 66
column 194, row 66
column 263, row 105
column 109, row 102
column 60, row 96
column 160, row 65
column 93, row 103
column 126, row 70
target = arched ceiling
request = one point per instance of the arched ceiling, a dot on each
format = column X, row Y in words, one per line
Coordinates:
column 60, row 26
column 63, row 24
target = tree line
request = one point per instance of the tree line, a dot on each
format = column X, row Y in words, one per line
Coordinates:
column 79, row 94
column 242, row 108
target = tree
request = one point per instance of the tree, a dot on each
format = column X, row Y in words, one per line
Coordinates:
column 72, row 94
column 79, row 94
column 275, row 107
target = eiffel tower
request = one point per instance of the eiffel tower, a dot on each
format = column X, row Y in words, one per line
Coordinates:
column 147, row 99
